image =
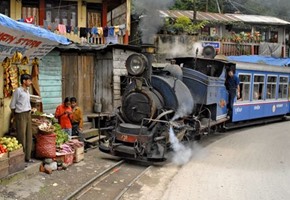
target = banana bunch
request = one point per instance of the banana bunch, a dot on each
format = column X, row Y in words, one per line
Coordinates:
column 16, row 57
column 6, row 63
column 35, row 61
column 24, row 61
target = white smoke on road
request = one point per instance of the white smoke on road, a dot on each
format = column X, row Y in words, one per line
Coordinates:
column 181, row 153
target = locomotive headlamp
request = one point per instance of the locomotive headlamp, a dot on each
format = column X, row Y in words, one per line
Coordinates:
column 136, row 64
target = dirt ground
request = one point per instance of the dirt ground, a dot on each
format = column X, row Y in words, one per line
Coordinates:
column 246, row 164
column 251, row 163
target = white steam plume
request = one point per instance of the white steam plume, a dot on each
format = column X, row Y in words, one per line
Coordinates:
column 150, row 21
column 181, row 154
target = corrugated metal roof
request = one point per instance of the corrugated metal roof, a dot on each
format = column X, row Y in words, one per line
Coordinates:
column 199, row 15
column 259, row 19
column 254, row 19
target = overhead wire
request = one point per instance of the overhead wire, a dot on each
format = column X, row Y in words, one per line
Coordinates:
column 246, row 8
column 235, row 7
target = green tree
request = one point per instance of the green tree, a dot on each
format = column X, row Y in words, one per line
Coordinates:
column 185, row 25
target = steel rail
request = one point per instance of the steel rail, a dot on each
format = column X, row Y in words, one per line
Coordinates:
column 131, row 183
column 74, row 194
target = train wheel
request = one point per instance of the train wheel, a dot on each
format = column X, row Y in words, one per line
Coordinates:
column 214, row 129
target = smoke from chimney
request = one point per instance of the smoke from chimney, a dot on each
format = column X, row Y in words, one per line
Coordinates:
column 150, row 20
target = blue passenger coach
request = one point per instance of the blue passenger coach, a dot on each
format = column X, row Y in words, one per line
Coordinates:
column 264, row 91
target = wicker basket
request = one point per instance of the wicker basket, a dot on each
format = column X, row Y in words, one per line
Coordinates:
column 46, row 132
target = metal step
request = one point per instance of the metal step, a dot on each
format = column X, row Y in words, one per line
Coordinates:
column 94, row 139
column 87, row 125
column 90, row 133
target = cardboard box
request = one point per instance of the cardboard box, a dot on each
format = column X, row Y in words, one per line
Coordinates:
column 79, row 150
column 65, row 158
column 79, row 157
column 16, row 163
column 3, row 156
column 4, row 163
column 16, row 152
column 4, row 172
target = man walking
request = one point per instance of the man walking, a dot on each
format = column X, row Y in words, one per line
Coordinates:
column 20, row 107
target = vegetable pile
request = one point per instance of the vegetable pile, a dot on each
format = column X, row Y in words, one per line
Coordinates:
column 65, row 149
column 61, row 136
column 46, row 127
column 10, row 143
column 2, row 149
column 70, row 146
column 74, row 143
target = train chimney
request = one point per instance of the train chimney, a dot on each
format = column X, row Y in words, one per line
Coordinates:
column 149, row 51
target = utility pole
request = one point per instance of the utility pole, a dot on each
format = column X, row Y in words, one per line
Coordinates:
column 206, row 6
column 218, row 6
column 194, row 10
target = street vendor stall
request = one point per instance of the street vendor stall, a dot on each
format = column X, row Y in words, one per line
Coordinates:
column 21, row 47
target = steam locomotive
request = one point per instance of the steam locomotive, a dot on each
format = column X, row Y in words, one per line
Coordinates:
column 188, row 95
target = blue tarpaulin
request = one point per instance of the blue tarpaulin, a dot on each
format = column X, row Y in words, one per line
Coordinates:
column 29, row 40
column 31, row 30
column 261, row 59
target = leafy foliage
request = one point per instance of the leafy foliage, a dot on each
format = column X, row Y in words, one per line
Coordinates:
column 278, row 8
column 184, row 24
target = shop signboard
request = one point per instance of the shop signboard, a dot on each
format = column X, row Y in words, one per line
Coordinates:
column 215, row 45
column 28, row 45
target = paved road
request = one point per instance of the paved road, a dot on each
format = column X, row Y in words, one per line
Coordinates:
column 246, row 164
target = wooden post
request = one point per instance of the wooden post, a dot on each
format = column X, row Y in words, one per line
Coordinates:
column 104, row 13
column 126, row 38
column 252, row 49
column 41, row 12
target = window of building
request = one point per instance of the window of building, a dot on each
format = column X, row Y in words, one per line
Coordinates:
column 5, row 7
column 245, row 80
column 271, row 87
column 258, row 87
column 94, row 15
column 283, row 85
column 61, row 12
column 30, row 8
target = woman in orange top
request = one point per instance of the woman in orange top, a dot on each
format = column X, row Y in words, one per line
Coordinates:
column 77, row 117
column 64, row 115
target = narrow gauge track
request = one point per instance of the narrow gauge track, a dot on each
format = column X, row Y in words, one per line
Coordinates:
column 112, row 183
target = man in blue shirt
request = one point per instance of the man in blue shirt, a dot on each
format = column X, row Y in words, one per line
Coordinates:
column 233, row 87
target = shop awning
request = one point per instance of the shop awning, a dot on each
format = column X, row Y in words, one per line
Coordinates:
column 30, row 40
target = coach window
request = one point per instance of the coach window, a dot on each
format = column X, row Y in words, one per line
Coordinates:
column 244, row 87
column 271, row 87
column 5, row 7
column 258, row 89
column 283, row 85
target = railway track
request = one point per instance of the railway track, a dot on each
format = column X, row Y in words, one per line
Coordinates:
column 112, row 183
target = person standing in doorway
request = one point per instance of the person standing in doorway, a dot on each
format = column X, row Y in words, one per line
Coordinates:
column 21, row 111
column 233, row 87
column 77, row 117
column 63, row 113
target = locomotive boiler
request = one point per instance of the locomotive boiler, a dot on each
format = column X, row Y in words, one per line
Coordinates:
column 188, row 96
